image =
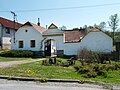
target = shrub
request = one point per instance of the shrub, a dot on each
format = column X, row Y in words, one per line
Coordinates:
column 77, row 67
column 102, row 73
column 85, row 56
column 66, row 64
column 17, row 53
column 96, row 67
column 91, row 74
column 117, row 66
column 83, row 70
column 110, row 67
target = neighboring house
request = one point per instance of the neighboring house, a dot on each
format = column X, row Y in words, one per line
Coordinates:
column 7, row 30
column 60, row 42
column 95, row 40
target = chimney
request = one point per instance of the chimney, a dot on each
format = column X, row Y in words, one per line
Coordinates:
column 38, row 22
column 46, row 26
column 81, row 28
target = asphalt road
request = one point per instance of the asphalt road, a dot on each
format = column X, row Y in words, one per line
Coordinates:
column 24, row 85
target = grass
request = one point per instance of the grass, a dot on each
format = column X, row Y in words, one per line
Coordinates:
column 5, row 59
column 38, row 70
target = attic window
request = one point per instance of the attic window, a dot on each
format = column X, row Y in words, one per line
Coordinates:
column 26, row 30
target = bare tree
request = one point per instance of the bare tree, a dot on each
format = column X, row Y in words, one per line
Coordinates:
column 113, row 23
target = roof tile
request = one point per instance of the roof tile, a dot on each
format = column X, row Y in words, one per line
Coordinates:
column 38, row 28
column 74, row 35
column 9, row 23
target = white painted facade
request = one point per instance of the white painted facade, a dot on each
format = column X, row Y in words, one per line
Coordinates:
column 31, row 34
column 97, row 41
column 58, row 41
column 5, row 38
column 94, row 41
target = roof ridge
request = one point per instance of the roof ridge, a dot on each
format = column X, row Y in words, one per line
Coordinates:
column 37, row 27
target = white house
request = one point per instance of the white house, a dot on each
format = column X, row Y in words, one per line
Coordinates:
column 60, row 42
column 7, row 30
column 28, row 37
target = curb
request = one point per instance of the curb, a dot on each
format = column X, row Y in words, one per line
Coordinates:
column 37, row 79
column 105, row 86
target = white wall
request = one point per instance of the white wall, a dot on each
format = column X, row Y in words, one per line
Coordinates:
column 53, row 31
column 5, row 37
column 58, row 40
column 97, row 41
column 6, row 40
column 94, row 41
column 31, row 34
column 71, row 48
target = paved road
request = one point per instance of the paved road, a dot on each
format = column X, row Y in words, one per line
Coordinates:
column 11, row 63
column 22, row 85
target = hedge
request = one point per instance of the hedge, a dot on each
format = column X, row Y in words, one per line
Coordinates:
column 17, row 53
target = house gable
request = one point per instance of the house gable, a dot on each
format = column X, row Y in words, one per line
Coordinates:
column 97, row 41
column 26, row 24
column 36, row 27
column 52, row 26
column 53, row 31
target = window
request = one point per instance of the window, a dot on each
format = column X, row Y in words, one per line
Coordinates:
column 7, row 30
column 26, row 30
column 20, row 44
column 32, row 43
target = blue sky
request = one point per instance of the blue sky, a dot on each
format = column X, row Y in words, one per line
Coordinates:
column 71, row 18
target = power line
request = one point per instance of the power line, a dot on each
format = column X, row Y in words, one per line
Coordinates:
column 65, row 8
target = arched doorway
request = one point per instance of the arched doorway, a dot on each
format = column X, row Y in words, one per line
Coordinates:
column 50, row 47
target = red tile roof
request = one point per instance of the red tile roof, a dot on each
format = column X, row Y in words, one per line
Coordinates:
column 9, row 23
column 74, row 35
column 38, row 28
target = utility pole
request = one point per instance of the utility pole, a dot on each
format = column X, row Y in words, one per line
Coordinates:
column 14, row 16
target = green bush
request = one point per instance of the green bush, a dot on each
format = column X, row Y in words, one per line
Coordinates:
column 110, row 67
column 117, row 66
column 102, row 73
column 96, row 67
column 17, row 53
column 84, row 70
column 77, row 67
column 91, row 74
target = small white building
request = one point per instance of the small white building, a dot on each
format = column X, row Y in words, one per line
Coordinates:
column 28, row 37
column 7, row 30
column 61, row 42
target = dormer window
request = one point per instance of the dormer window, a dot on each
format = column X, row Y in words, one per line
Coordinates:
column 7, row 30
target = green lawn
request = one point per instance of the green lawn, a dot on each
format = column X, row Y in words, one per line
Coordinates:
column 38, row 70
column 5, row 59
